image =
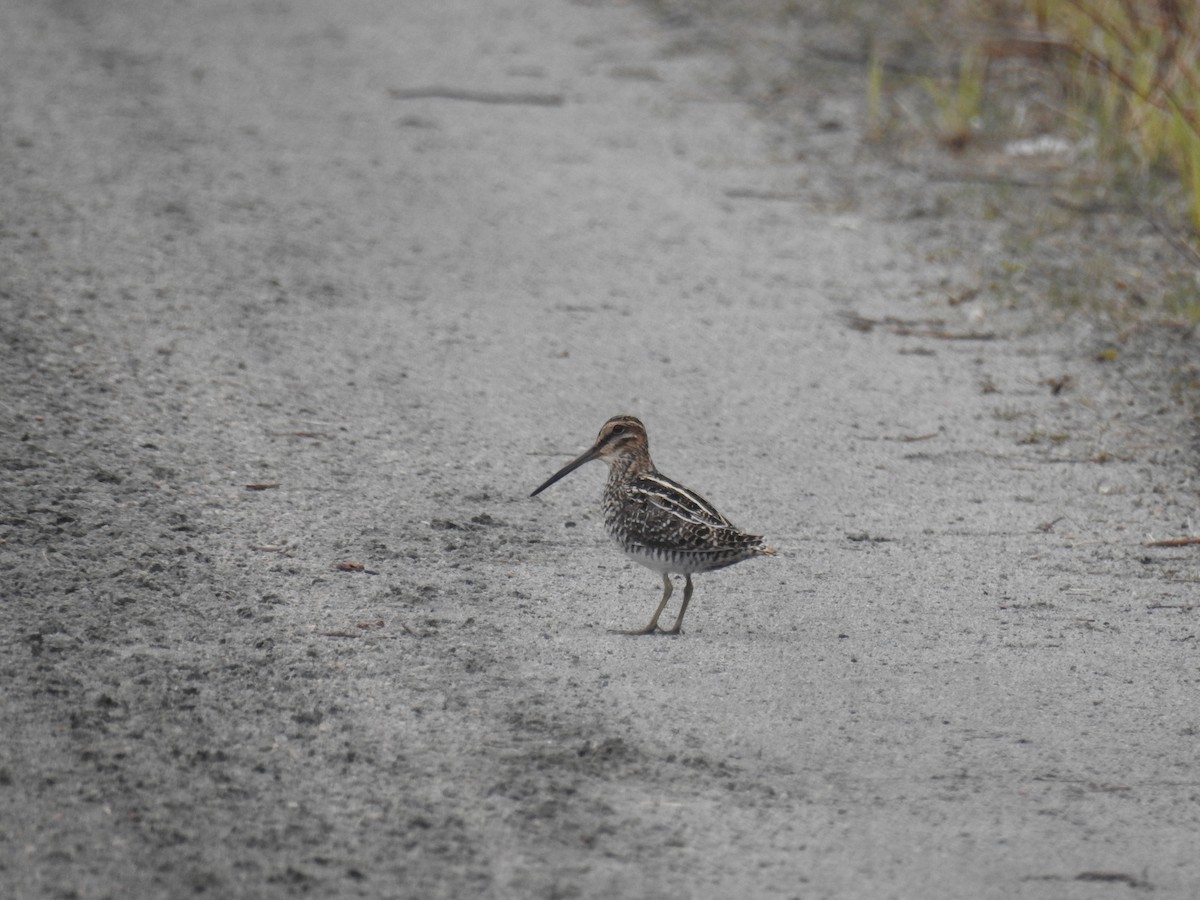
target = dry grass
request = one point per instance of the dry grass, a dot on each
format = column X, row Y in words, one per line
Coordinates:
column 1084, row 118
column 1130, row 68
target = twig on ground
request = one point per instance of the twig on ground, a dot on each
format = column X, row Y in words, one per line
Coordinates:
column 438, row 92
column 915, row 328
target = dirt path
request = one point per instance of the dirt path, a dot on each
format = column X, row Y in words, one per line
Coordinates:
column 393, row 264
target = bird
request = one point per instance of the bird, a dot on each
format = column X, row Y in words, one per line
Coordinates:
column 658, row 522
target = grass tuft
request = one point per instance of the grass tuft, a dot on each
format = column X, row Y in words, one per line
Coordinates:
column 960, row 105
column 1131, row 67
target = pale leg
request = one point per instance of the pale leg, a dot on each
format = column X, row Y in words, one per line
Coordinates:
column 653, row 626
column 687, row 598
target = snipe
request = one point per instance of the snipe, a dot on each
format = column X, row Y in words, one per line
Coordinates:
column 658, row 522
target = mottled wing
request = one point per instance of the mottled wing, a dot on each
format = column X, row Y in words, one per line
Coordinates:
column 662, row 516
column 676, row 500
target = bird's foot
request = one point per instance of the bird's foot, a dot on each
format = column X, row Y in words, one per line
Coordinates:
column 652, row 628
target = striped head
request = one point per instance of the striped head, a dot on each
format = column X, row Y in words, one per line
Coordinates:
column 621, row 440
column 621, row 436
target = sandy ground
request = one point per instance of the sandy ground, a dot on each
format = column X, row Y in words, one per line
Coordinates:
column 289, row 245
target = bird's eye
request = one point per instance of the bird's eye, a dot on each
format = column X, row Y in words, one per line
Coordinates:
column 618, row 429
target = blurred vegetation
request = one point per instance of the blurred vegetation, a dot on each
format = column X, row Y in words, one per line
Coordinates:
column 1098, row 101
column 1132, row 67
column 1075, row 124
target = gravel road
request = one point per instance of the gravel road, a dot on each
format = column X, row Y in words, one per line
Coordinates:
column 300, row 300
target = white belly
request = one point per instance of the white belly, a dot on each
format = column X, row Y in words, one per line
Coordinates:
column 659, row 562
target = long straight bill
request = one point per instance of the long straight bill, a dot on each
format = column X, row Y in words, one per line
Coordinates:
column 567, row 469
